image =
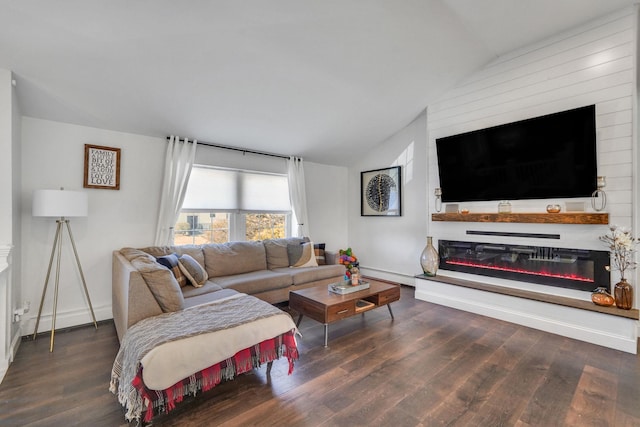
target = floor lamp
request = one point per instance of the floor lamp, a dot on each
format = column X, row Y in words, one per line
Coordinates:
column 60, row 204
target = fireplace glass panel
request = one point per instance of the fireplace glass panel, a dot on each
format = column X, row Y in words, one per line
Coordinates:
column 562, row 267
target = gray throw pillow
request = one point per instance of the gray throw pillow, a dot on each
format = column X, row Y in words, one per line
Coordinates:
column 192, row 270
column 162, row 284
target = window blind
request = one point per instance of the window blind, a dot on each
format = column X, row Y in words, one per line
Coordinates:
column 226, row 190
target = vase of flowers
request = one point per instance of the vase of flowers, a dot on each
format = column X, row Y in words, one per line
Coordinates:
column 622, row 246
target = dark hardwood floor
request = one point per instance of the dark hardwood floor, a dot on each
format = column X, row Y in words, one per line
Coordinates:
column 432, row 365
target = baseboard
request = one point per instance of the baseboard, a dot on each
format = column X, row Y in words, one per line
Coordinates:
column 11, row 354
column 597, row 328
column 65, row 319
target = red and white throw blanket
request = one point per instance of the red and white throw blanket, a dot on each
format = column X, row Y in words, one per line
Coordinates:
column 166, row 357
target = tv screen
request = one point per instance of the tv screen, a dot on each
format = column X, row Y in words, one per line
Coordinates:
column 552, row 156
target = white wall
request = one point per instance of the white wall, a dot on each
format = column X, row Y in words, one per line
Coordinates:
column 389, row 247
column 593, row 64
column 327, row 190
column 53, row 155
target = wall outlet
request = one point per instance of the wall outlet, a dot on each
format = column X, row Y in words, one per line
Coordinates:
column 19, row 312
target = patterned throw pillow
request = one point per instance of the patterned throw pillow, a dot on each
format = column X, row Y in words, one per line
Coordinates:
column 171, row 262
column 318, row 248
column 302, row 255
column 192, row 270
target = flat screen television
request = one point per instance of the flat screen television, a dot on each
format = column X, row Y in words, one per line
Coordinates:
column 547, row 157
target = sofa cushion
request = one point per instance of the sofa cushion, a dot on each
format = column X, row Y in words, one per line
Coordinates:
column 132, row 253
column 161, row 282
column 195, row 273
column 301, row 276
column 194, row 251
column 301, row 255
column 172, row 263
column 318, row 248
column 276, row 249
column 255, row 281
column 191, row 291
column 226, row 259
column 209, row 297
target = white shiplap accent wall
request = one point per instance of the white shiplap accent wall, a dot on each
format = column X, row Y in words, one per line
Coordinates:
column 592, row 64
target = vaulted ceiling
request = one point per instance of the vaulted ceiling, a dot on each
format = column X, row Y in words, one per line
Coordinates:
column 324, row 80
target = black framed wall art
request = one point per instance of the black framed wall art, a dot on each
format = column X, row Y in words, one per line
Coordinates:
column 381, row 192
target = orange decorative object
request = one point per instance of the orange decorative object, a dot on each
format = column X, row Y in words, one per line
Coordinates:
column 601, row 297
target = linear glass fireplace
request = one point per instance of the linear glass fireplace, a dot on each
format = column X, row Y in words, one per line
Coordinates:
column 566, row 268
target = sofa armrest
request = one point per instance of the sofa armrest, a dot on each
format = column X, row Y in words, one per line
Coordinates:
column 131, row 299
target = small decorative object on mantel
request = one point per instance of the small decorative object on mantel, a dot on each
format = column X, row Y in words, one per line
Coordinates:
column 438, row 193
column 430, row 259
column 101, row 167
column 599, row 195
column 622, row 245
column 600, row 296
column 553, row 208
column 504, row 207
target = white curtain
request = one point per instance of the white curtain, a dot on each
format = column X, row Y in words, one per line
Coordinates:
column 298, row 196
column 177, row 169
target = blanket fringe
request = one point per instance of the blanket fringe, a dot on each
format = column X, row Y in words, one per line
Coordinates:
column 135, row 397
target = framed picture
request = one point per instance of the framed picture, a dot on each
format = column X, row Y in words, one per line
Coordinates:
column 101, row 167
column 381, row 192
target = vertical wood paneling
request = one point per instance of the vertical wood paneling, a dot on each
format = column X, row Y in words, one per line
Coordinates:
column 592, row 64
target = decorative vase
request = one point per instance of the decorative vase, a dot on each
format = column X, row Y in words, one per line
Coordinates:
column 429, row 259
column 601, row 297
column 624, row 294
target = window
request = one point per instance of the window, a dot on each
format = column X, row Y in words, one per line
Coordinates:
column 224, row 205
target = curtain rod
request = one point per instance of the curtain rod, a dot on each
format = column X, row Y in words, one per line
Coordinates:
column 243, row 150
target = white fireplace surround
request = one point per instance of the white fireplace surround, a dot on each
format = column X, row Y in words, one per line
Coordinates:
column 615, row 332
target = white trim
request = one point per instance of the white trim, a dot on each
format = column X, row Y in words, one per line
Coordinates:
column 615, row 332
column 65, row 319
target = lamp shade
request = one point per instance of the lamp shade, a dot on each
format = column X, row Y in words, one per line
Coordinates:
column 60, row 203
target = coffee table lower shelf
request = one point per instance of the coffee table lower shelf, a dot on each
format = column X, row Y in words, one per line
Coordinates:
column 326, row 307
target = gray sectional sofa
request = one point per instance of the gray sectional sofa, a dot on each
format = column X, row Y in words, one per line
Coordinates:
column 142, row 287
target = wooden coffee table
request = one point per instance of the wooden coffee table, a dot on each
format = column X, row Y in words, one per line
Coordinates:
column 327, row 307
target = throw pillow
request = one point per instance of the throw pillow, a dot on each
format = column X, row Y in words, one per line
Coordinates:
column 171, row 262
column 192, row 270
column 302, row 255
column 318, row 248
column 161, row 282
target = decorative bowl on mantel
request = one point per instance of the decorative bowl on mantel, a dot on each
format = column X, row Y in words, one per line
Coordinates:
column 553, row 208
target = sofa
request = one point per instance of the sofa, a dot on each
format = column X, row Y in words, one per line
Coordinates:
column 155, row 280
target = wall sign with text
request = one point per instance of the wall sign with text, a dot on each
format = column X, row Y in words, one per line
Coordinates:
column 101, row 167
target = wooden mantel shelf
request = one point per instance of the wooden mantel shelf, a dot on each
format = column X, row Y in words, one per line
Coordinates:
column 537, row 218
